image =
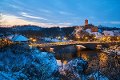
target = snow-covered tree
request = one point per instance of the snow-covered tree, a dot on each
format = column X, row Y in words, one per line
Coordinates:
column 81, row 34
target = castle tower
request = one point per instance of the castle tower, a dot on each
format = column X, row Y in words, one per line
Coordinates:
column 86, row 22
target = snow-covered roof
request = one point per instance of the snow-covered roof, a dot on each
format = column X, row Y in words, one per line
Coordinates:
column 108, row 33
column 116, row 32
column 97, row 34
column 88, row 30
column 19, row 38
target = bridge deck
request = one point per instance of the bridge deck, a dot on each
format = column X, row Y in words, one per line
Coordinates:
column 68, row 43
column 59, row 45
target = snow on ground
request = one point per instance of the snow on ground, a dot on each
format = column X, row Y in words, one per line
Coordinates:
column 97, row 34
column 108, row 33
column 73, row 67
column 111, row 51
column 96, row 77
column 28, row 64
column 61, row 67
column 89, row 31
column 54, row 40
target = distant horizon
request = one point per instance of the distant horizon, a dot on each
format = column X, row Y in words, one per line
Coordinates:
column 61, row 12
column 7, row 26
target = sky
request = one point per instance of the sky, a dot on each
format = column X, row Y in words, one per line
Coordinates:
column 48, row 13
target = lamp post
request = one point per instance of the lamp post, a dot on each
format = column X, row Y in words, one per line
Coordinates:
column 34, row 40
column 59, row 37
column 86, row 38
column 78, row 37
column 94, row 38
column 31, row 39
column 65, row 38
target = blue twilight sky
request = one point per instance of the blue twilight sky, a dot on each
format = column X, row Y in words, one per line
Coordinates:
column 48, row 13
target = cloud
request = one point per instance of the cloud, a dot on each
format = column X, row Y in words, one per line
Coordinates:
column 29, row 16
column 65, row 23
column 115, row 22
column 14, row 20
column 98, row 22
column 76, row 18
column 44, row 10
column 92, row 17
column 105, row 22
column 15, row 6
column 65, row 13
column 10, row 5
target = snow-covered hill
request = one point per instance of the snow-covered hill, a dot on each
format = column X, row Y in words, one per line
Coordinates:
column 18, row 63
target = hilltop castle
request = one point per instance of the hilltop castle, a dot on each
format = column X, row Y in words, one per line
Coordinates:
column 89, row 26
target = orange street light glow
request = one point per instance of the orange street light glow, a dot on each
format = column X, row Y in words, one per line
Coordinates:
column 34, row 40
column 31, row 38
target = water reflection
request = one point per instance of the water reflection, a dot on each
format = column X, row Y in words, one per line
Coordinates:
column 97, row 61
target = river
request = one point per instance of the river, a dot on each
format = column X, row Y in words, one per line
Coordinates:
column 108, row 64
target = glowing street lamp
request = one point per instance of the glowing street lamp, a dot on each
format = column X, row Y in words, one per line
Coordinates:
column 78, row 37
column 94, row 38
column 34, row 40
column 104, row 38
column 108, row 38
column 118, row 38
column 30, row 45
column 58, row 37
column 31, row 39
column 65, row 38
column 86, row 38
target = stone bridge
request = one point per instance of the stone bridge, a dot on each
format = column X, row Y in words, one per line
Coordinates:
column 90, row 45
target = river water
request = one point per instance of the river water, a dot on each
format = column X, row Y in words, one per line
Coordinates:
column 108, row 64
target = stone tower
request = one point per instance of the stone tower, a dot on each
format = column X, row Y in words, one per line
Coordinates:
column 86, row 22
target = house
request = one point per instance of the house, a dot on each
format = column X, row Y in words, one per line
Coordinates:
column 109, row 36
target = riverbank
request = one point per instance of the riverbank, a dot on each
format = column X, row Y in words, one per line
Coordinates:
column 107, row 64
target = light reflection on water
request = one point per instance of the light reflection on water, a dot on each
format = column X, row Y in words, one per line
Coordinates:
column 97, row 61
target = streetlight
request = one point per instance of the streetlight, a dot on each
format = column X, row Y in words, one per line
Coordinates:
column 31, row 38
column 34, row 40
column 78, row 37
column 30, row 45
column 94, row 38
column 58, row 37
column 118, row 38
column 109, row 39
column 65, row 38
column 86, row 38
